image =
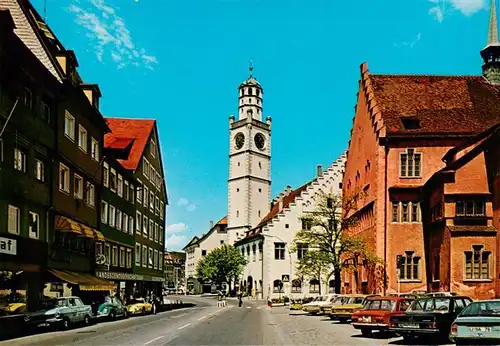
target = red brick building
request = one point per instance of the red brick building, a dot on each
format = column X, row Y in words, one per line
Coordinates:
column 403, row 127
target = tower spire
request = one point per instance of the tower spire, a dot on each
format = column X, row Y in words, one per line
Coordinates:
column 250, row 68
column 493, row 26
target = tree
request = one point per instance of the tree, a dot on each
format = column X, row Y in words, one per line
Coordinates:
column 315, row 265
column 223, row 264
column 324, row 231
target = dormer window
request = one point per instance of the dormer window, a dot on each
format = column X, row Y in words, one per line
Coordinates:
column 410, row 123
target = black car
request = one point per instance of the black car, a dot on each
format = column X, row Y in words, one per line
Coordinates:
column 429, row 316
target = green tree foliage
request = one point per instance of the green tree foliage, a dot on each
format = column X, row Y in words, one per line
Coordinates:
column 323, row 231
column 222, row 264
column 315, row 265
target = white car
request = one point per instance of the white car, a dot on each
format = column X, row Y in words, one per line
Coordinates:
column 314, row 306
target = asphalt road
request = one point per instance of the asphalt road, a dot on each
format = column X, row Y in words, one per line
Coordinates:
column 207, row 324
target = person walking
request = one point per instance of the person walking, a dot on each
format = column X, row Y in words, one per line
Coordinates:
column 240, row 299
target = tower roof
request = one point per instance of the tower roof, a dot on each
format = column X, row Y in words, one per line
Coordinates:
column 251, row 79
column 493, row 26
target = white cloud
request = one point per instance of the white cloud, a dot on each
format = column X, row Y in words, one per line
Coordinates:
column 191, row 207
column 183, row 201
column 440, row 8
column 176, row 242
column 110, row 34
column 410, row 44
column 176, row 228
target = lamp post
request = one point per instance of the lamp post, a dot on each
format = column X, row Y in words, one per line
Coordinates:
column 289, row 257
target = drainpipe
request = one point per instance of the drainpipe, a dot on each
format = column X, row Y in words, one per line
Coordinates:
column 386, row 148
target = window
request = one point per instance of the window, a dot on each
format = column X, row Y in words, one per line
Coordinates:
column 82, row 138
column 152, row 148
column 301, row 250
column 152, row 202
column 277, row 286
column 129, row 258
column 477, row 263
column 118, row 223
column 161, row 235
column 120, row 185
column 112, row 180
column 45, row 111
column 260, row 251
column 306, row 224
column 132, row 195
column 146, row 168
column 112, row 216
column 408, row 266
column 279, row 251
column 125, row 190
column 94, row 149
column 405, row 211
column 162, row 209
column 296, row 286
column 39, row 170
column 28, row 98
column 69, row 126
column 150, row 258
column 98, row 248
column 78, row 187
column 146, row 194
column 144, row 256
column 139, row 193
column 254, row 252
column 14, row 222
column 155, row 259
column 145, row 225
column 395, row 211
column 156, row 233
column 470, row 208
column 19, row 160
column 138, row 222
column 105, row 174
column 122, row 257
column 314, row 286
column 130, row 225
column 331, row 286
column 63, row 178
column 90, row 195
column 157, row 205
column 151, row 229
column 203, row 253
column 104, row 212
column 115, row 256
column 137, row 253
column 410, row 164
column 124, row 222
column 34, row 225
column 107, row 253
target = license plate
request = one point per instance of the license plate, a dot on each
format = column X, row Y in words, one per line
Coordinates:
column 409, row 325
column 366, row 319
column 480, row 329
column 44, row 325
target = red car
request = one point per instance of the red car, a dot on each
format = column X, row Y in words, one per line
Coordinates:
column 377, row 311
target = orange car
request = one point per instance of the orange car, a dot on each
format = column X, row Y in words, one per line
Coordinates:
column 377, row 311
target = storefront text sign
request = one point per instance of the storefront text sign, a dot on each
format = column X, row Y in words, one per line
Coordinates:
column 8, row 246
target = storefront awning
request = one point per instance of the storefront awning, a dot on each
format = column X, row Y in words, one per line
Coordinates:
column 64, row 224
column 86, row 281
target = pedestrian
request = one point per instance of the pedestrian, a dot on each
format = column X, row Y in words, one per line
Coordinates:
column 240, row 299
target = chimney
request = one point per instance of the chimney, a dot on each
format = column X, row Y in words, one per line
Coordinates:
column 320, row 171
column 211, row 224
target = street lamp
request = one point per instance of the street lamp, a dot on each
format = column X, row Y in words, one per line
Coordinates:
column 289, row 257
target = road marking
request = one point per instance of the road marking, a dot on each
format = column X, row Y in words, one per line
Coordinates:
column 184, row 326
column 249, row 307
column 177, row 316
column 259, row 308
column 201, row 318
column 151, row 341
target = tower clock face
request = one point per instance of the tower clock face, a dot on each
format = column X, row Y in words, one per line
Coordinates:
column 260, row 141
column 239, row 140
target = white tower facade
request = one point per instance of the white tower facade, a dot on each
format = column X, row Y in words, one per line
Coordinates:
column 249, row 183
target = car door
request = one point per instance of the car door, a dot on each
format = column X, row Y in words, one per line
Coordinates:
column 117, row 305
column 73, row 313
column 81, row 309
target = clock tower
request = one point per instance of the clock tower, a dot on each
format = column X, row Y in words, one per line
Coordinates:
column 249, row 183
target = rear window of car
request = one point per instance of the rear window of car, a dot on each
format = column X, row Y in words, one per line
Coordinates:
column 355, row 300
column 436, row 304
column 482, row 309
column 380, row 304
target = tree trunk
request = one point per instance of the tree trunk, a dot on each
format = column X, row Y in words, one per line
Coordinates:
column 338, row 282
column 356, row 280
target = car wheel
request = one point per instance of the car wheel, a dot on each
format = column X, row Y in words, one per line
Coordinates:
column 144, row 311
column 464, row 342
column 342, row 320
column 125, row 314
column 86, row 320
column 366, row 332
column 65, row 324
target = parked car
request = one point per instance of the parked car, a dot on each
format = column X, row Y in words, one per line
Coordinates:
column 478, row 323
column 139, row 306
column 111, row 308
column 429, row 316
column 406, row 295
column 61, row 313
column 13, row 309
column 305, row 307
column 344, row 312
column 441, row 294
column 315, row 307
column 327, row 307
column 377, row 312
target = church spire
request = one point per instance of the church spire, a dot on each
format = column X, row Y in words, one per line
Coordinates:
column 493, row 26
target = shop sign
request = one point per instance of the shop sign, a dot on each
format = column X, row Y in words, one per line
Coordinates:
column 119, row 276
column 8, row 246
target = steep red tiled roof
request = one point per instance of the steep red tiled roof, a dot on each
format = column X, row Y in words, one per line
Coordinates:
column 123, row 129
column 442, row 104
column 115, row 142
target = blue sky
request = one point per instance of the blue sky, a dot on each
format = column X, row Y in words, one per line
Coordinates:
column 181, row 61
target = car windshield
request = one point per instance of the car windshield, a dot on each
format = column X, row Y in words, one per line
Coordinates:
column 322, row 299
column 430, row 304
column 355, row 300
column 107, row 300
column 137, row 301
column 53, row 303
column 482, row 309
column 380, row 304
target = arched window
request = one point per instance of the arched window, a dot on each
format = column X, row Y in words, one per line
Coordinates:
column 249, row 91
column 257, row 91
column 296, row 286
column 277, row 286
column 314, row 286
column 331, row 286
